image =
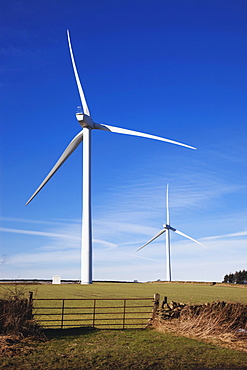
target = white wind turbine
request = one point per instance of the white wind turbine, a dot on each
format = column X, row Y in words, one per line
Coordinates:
column 166, row 228
column 87, row 124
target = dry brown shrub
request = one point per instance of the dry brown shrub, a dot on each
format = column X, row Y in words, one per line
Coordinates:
column 225, row 323
column 16, row 316
column 11, row 345
column 214, row 318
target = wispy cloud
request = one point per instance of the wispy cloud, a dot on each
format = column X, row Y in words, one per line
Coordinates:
column 31, row 232
column 231, row 235
column 194, row 190
column 40, row 222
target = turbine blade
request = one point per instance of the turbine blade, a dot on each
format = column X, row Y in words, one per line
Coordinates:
column 136, row 133
column 68, row 151
column 155, row 237
column 189, row 237
column 81, row 93
column 167, row 207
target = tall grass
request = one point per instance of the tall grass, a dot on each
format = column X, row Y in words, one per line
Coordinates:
column 224, row 322
column 214, row 318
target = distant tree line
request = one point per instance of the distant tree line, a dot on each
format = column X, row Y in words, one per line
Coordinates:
column 239, row 277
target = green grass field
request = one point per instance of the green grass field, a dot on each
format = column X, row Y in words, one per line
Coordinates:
column 128, row 349
column 123, row 350
column 56, row 313
column 179, row 292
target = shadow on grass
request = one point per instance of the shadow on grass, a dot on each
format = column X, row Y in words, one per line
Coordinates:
column 59, row 333
column 84, row 330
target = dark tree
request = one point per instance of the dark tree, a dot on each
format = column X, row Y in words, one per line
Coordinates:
column 239, row 277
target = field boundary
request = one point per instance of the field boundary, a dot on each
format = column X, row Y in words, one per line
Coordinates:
column 107, row 313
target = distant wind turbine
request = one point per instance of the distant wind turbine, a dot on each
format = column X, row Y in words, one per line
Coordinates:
column 166, row 228
column 87, row 124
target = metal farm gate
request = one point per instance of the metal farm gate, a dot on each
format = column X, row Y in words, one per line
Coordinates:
column 124, row 313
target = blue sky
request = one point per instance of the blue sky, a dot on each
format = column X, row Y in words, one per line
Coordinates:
column 175, row 69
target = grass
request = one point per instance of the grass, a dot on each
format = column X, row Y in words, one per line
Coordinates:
column 130, row 349
column 188, row 293
column 116, row 349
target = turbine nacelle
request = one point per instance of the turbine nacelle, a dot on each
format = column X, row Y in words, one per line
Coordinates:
column 85, row 120
column 168, row 227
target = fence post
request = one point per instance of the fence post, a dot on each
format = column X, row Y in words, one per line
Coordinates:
column 164, row 302
column 155, row 306
column 124, row 312
column 30, row 305
column 62, row 314
column 30, row 300
column 155, row 310
column 94, row 311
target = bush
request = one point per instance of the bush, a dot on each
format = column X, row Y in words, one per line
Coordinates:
column 220, row 321
column 214, row 318
column 16, row 316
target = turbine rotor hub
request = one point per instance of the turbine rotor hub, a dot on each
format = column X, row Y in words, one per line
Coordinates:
column 84, row 120
column 168, row 227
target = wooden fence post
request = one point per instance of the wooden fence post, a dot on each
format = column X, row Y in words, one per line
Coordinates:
column 156, row 306
column 30, row 305
column 164, row 302
column 30, row 300
column 155, row 310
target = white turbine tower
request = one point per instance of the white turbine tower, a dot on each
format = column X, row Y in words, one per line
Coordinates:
column 87, row 124
column 166, row 228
